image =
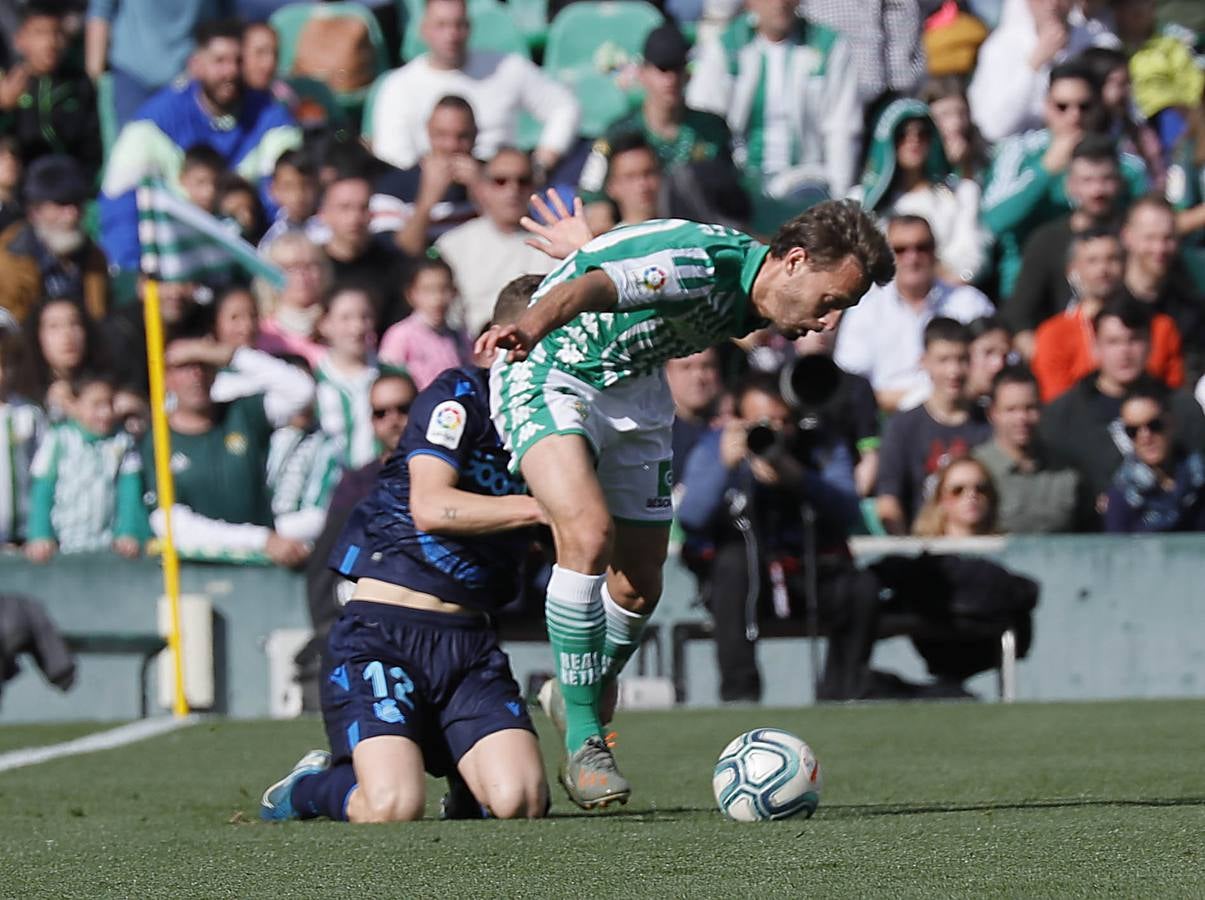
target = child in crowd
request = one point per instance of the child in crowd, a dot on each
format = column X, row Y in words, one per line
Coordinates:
column 346, row 373
column 87, row 481
column 11, row 169
column 235, row 317
column 199, row 174
column 423, row 343
column 46, row 103
column 61, row 344
column 294, row 190
column 289, row 316
column 21, row 427
column 239, row 200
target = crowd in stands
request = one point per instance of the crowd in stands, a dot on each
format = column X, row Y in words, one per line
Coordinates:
column 1038, row 166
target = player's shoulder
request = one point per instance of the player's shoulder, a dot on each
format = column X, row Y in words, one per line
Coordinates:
column 464, row 388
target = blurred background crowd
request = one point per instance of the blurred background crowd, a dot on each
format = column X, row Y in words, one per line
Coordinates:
column 1038, row 167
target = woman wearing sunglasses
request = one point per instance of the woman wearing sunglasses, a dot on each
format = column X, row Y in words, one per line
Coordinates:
column 963, row 503
column 1158, row 487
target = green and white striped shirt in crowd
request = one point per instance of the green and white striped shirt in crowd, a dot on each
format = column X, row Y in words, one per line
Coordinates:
column 21, row 428
column 303, row 469
column 344, row 412
column 87, row 490
column 682, row 286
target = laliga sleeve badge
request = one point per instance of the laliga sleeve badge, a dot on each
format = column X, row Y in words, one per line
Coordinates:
column 447, row 424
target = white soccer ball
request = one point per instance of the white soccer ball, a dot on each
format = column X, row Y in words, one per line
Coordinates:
column 765, row 774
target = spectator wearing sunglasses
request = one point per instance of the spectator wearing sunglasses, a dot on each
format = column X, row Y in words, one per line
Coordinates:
column 963, row 504
column 493, row 249
column 1160, row 487
column 882, row 338
column 1027, row 183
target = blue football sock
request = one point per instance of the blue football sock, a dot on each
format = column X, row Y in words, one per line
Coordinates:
column 324, row 793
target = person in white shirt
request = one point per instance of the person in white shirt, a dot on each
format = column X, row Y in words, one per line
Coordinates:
column 882, row 338
column 497, row 85
column 1008, row 88
column 491, row 250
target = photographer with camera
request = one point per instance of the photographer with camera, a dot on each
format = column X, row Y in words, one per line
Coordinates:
column 768, row 533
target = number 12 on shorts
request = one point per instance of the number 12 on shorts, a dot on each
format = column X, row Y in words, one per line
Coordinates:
column 403, row 687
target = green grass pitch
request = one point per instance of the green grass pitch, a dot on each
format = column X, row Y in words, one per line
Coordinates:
column 1060, row 800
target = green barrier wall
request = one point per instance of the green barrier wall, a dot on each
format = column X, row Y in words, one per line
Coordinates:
column 1119, row 617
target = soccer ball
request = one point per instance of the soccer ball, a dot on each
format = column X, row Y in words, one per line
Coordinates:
column 766, row 774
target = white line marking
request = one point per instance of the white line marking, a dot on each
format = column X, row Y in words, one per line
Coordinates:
column 90, row 743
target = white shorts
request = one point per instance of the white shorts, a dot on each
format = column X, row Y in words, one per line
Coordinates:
column 629, row 428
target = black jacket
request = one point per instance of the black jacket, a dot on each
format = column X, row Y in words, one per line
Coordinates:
column 25, row 628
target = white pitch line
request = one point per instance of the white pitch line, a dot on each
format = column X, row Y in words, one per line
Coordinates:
column 90, row 743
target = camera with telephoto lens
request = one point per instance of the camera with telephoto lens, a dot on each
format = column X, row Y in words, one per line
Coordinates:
column 806, row 383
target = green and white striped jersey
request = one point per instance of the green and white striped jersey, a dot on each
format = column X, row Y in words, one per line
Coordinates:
column 303, row 469
column 87, row 490
column 683, row 287
column 21, row 428
column 344, row 411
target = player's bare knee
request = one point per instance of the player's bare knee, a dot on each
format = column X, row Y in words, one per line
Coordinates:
column 584, row 542
column 388, row 804
column 508, row 801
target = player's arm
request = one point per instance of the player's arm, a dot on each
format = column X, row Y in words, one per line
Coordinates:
column 592, row 292
column 439, row 507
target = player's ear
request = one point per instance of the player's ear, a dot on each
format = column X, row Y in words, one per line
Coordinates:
column 796, row 259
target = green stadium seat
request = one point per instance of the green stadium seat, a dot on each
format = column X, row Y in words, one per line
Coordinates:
column 493, row 28
column 531, row 17
column 598, row 36
column 312, row 91
column 602, row 100
column 288, row 22
column 107, row 112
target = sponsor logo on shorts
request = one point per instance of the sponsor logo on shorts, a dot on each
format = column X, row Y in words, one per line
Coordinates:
column 665, row 487
column 658, row 503
column 447, row 424
column 386, row 710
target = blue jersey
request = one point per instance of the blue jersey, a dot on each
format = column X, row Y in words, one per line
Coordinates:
column 450, row 420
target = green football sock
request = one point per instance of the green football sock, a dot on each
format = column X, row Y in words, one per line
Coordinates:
column 624, row 629
column 574, row 615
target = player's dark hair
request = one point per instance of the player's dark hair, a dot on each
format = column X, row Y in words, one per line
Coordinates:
column 1097, row 148
column 943, row 328
column 833, row 230
column 202, row 156
column 1076, row 70
column 426, row 264
column 1017, row 374
column 1132, row 313
column 296, row 160
column 215, row 29
column 514, row 298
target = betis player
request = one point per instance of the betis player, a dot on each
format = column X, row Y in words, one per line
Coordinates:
column 581, row 402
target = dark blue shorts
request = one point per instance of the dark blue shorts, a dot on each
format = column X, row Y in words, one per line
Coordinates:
column 440, row 680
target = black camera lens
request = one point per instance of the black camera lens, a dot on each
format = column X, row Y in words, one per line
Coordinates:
column 760, row 438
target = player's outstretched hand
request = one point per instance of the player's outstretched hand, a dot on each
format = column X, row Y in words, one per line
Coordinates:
column 503, row 337
column 558, row 232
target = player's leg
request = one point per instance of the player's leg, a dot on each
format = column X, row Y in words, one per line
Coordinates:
column 505, row 772
column 486, row 729
column 631, row 592
column 559, row 471
column 390, row 781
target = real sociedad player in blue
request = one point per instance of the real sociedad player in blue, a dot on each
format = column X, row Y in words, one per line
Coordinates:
column 415, row 680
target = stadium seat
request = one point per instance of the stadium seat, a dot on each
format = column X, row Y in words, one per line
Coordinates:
column 600, row 37
column 493, row 28
column 602, row 100
column 289, row 20
column 314, row 96
column 107, row 112
column 531, row 18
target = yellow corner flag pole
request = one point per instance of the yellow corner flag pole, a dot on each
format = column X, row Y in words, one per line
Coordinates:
column 164, row 484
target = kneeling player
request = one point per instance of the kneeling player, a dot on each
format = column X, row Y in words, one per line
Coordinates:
column 415, row 677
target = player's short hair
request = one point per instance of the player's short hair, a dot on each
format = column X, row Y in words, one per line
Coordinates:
column 296, row 160
column 1016, row 374
column 215, row 29
column 1132, row 313
column 1097, row 148
column 514, row 298
column 944, row 328
column 836, row 229
column 202, row 156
